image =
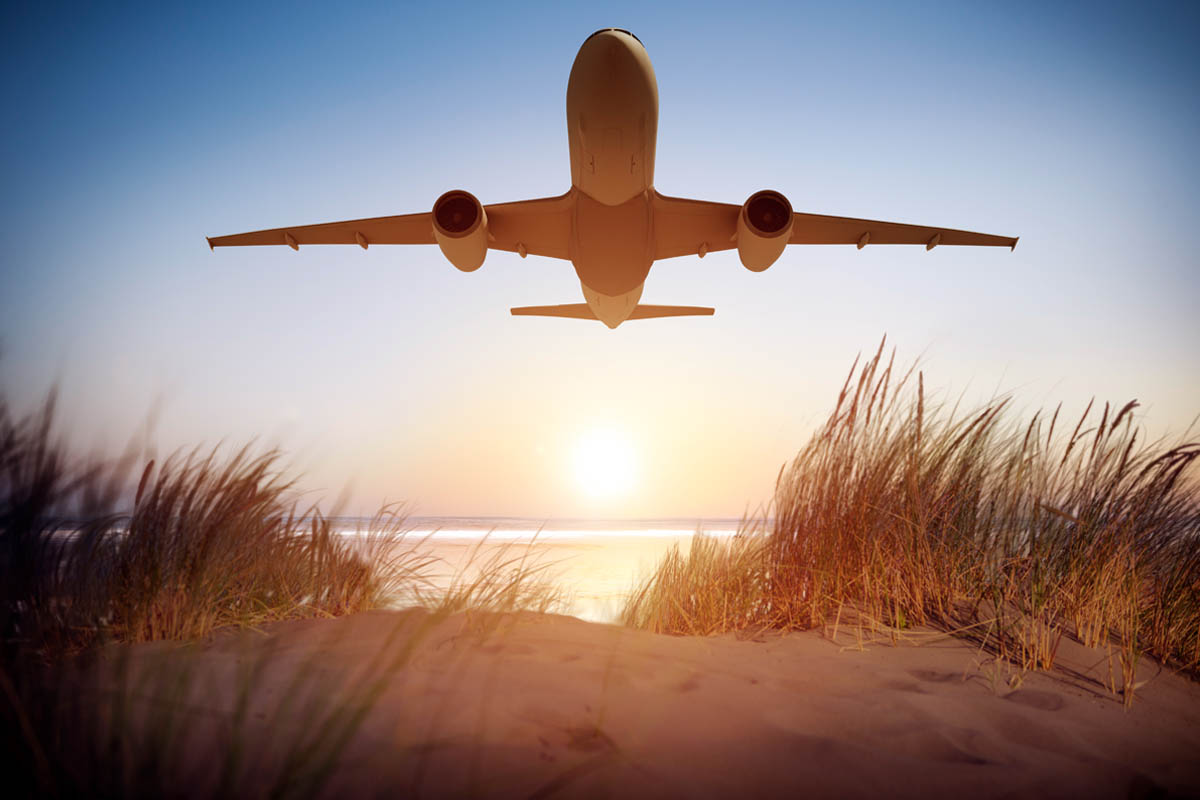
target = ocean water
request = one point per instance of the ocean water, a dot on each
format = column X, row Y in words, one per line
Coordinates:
column 594, row 563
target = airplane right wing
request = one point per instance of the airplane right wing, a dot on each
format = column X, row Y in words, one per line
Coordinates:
column 822, row 229
column 684, row 227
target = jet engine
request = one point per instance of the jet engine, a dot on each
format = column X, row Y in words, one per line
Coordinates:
column 763, row 228
column 460, row 228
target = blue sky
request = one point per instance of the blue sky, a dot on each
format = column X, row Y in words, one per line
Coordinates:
column 130, row 134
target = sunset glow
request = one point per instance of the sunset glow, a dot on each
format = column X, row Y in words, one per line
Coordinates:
column 605, row 464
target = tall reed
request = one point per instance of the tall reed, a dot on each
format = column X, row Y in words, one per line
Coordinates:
column 204, row 541
column 914, row 513
column 208, row 541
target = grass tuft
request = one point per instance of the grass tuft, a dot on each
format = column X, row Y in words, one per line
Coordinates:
column 207, row 540
column 912, row 513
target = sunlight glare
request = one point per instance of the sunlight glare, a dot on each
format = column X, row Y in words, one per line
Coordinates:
column 604, row 463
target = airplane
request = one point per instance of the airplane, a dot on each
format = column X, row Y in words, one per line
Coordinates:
column 612, row 224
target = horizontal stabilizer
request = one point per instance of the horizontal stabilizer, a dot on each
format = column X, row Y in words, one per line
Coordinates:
column 582, row 311
column 649, row 312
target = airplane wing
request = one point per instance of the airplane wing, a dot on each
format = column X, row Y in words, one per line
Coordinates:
column 582, row 311
column 404, row 229
column 822, row 229
column 541, row 227
column 684, row 227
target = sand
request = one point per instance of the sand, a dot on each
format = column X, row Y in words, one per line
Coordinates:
column 536, row 705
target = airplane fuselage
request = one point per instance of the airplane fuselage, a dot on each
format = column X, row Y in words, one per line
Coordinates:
column 612, row 123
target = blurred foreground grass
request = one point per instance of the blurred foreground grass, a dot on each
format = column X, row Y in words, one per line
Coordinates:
column 206, row 542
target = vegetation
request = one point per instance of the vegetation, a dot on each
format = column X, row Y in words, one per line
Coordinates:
column 209, row 542
column 900, row 512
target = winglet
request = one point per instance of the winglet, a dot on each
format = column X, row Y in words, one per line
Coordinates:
column 210, row 244
column 1014, row 244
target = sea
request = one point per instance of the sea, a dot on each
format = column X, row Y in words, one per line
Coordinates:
column 591, row 565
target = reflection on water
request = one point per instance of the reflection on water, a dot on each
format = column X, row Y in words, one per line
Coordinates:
column 596, row 563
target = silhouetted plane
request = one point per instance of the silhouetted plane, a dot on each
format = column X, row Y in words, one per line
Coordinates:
column 612, row 224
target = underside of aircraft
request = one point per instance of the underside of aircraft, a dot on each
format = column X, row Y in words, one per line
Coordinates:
column 612, row 224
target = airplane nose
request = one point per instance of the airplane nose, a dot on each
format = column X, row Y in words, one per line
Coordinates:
column 612, row 43
column 612, row 33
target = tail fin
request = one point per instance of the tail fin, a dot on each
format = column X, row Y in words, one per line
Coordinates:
column 581, row 311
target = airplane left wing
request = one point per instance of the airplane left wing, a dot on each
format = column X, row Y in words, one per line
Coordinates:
column 404, row 229
column 541, row 227
column 684, row 227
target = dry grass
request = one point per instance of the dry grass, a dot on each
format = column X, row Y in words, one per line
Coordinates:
column 912, row 513
column 501, row 578
column 208, row 541
column 719, row 585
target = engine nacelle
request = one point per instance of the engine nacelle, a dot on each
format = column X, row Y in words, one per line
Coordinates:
column 460, row 228
column 763, row 228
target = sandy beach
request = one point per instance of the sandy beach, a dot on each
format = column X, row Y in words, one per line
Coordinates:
column 536, row 705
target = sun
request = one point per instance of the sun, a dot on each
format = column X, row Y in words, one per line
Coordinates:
column 605, row 463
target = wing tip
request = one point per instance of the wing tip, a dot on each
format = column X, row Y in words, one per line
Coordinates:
column 210, row 243
column 1013, row 247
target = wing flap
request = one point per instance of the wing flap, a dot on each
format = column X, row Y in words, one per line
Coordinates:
column 539, row 227
column 684, row 227
column 403, row 229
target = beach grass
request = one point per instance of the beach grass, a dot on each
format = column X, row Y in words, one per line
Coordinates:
column 501, row 578
column 97, row 554
column 903, row 512
column 210, row 541
column 900, row 513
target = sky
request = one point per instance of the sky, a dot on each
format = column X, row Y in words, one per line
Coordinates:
column 130, row 133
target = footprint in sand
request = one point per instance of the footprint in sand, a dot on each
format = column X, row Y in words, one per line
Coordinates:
column 589, row 739
column 933, row 676
column 1042, row 701
column 904, row 686
column 508, row 649
column 952, row 745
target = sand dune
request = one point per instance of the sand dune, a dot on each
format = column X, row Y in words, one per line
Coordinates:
column 551, row 706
